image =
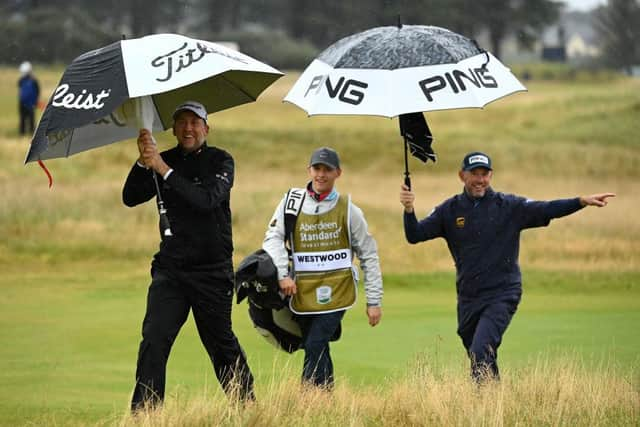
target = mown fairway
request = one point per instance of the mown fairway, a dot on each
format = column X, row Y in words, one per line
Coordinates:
column 74, row 261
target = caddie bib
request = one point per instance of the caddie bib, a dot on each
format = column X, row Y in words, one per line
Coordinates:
column 323, row 261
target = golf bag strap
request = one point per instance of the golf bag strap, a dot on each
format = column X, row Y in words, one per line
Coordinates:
column 292, row 207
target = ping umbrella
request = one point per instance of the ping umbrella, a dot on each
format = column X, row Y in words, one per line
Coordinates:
column 106, row 95
column 399, row 70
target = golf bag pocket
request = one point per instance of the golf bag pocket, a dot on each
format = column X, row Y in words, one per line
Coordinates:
column 278, row 327
column 324, row 292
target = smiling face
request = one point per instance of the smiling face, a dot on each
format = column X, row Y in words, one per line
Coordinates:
column 476, row 181
column 190, row 130
column 323, row 177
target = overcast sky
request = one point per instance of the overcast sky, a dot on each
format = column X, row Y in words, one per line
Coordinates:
column 583, row 5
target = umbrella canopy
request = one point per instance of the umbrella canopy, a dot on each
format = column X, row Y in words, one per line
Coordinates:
column 388, row 71
column 402, row 71
column 107, row 94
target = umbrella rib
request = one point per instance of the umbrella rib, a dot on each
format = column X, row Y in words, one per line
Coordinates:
column 69, row 144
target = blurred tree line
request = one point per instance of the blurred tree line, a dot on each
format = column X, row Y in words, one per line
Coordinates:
column 284, row 33
column 618, row 26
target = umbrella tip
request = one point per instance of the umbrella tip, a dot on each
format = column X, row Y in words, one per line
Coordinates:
column 399, row 23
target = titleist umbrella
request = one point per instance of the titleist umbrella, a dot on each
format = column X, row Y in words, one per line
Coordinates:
column 101, row 96
column 398, row 70
column 108, row 94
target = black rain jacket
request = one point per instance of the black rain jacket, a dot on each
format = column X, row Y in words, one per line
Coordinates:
column 196, row 195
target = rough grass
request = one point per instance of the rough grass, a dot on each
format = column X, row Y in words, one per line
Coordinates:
column 545, row 393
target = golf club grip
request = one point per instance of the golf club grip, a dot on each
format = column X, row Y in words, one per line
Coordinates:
column 165, row 227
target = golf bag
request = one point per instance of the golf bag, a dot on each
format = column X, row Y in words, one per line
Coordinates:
column 257, row 280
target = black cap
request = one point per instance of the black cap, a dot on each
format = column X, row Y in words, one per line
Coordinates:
column 325, row 156
column 474, row 160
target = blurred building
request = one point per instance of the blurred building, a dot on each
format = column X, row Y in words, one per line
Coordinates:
column 572, row 39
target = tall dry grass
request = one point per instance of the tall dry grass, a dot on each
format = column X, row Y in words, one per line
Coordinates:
column 558, row 393
column 554, row 141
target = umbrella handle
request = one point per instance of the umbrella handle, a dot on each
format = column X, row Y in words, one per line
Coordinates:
column 407, row 180
column 165, row 226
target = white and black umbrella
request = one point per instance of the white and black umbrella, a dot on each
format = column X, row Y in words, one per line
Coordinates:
column 401, row 70
column 108, row 94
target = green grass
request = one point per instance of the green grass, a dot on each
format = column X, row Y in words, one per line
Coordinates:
column 70, row 340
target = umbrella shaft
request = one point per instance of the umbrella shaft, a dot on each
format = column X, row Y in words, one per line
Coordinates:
column 155, row 181
column 407, row 180
column 165, row 226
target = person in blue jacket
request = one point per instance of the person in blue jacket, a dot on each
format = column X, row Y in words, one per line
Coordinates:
column 28, row 95
column 482, row 230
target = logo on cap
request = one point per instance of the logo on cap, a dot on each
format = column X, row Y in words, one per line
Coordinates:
column 478, row 158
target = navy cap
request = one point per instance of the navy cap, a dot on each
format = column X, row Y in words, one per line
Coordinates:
column 193, row 106
column 325, row 156
column 474, row 160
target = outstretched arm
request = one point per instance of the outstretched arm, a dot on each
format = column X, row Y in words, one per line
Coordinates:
column 599, row 200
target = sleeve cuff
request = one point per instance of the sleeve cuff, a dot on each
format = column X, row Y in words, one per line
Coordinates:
column 166, row 175
column 282, row 274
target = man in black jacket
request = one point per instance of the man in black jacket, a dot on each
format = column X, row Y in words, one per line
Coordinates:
column 193, row 268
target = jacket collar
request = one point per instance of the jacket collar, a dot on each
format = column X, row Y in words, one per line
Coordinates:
column 202, row 148
column 328, row 196
column 472, row 200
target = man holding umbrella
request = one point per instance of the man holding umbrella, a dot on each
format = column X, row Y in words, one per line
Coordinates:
column 193, row 268
column 482, row 229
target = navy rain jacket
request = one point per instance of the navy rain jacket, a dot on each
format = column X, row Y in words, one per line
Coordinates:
column 483, row 236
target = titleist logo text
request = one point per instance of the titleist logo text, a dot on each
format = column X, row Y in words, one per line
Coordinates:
column 183, row 57
column 83, row 101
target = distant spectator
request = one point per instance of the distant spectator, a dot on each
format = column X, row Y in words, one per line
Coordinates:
column 28, row 95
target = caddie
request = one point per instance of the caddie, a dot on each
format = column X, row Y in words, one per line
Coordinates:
column 321, row 279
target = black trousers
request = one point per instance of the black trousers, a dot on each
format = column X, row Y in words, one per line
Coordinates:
column 27, row 120
column 171, row 295
column 481, row 326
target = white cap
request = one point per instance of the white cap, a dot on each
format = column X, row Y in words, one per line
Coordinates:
column 193, row 106
column 25, row 67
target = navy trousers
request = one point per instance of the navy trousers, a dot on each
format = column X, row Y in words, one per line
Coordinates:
column 481, row 326
column 317, row 331
column 27, row 120
column 171, row 295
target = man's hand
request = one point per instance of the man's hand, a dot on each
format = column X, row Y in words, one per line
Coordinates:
column 407, row 197
column 598, row 200
column 287, row 286
column 374, row 314
column 149, row 155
